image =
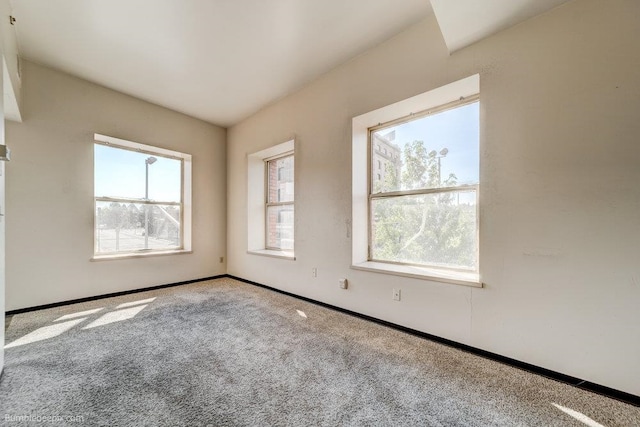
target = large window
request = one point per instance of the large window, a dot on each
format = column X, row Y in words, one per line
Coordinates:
column 139, row 198
column 424, row 188
column 279, row 217
column 415, row 186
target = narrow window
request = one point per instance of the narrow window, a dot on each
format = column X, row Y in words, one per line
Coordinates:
column 280, row 203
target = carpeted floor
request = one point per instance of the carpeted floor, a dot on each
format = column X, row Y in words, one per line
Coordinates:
column 224, row 353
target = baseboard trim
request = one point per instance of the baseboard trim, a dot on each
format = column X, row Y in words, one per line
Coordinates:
column 557, row 376
column 114, row 294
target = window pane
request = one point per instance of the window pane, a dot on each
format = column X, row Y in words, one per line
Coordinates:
column 121, row 174
column 120, row 227
column 280, row 179
column 437, row 229
column 280, row 227
column 438, row 150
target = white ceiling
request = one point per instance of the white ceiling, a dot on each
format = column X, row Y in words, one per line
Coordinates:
column 218, row 60
column 463, row 22
column 222, row 60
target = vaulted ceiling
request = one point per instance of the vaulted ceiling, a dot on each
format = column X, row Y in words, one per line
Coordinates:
column 222, row 60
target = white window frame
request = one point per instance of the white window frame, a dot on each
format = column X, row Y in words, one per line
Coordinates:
column 361, row 180
column 185, row 204
column 257, row 187
column 422, row 191
column 269, row 204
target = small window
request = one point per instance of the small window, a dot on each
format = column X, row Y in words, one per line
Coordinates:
column 270, row 201
column 424, row 209
column 139, row 198
column 280, row 203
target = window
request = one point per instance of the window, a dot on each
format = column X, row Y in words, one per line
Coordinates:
column 270, row 201
column 424, row 209
column 418, row 216
column 279, row 204
column 142, row 198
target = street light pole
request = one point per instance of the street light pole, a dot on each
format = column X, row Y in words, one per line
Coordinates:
column 149, row 161
column 442, row 153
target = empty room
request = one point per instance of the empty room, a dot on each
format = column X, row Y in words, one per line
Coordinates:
column 320, row 212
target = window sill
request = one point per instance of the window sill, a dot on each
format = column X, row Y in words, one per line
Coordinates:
column 274, row 254
column 425, row 273
column 139, row 255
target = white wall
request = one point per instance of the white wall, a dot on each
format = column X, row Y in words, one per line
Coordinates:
column 2, row 206
column 12, row 86
column 50, row 190
column 560, row 198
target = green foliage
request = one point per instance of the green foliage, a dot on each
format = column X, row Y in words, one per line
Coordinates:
column 432, row 229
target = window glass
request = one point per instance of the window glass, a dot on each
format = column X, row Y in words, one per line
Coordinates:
column 280, row 227
column 423, row 204
column 121, row 173
column 280, row 208
column 138, row 201
column 438, row 150
column 437, row 229
column 280, row 180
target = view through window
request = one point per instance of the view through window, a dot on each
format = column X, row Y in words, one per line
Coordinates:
column 424, row 175
column 138, row 201
column 280, row 214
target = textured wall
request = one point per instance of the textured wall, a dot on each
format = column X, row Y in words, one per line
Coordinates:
column 50, row 190
column 559, row 198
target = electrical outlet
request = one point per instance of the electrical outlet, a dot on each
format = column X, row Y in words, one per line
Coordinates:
column 344, row 283
column 396, row 294
column 221, row 259
column 314, row 272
